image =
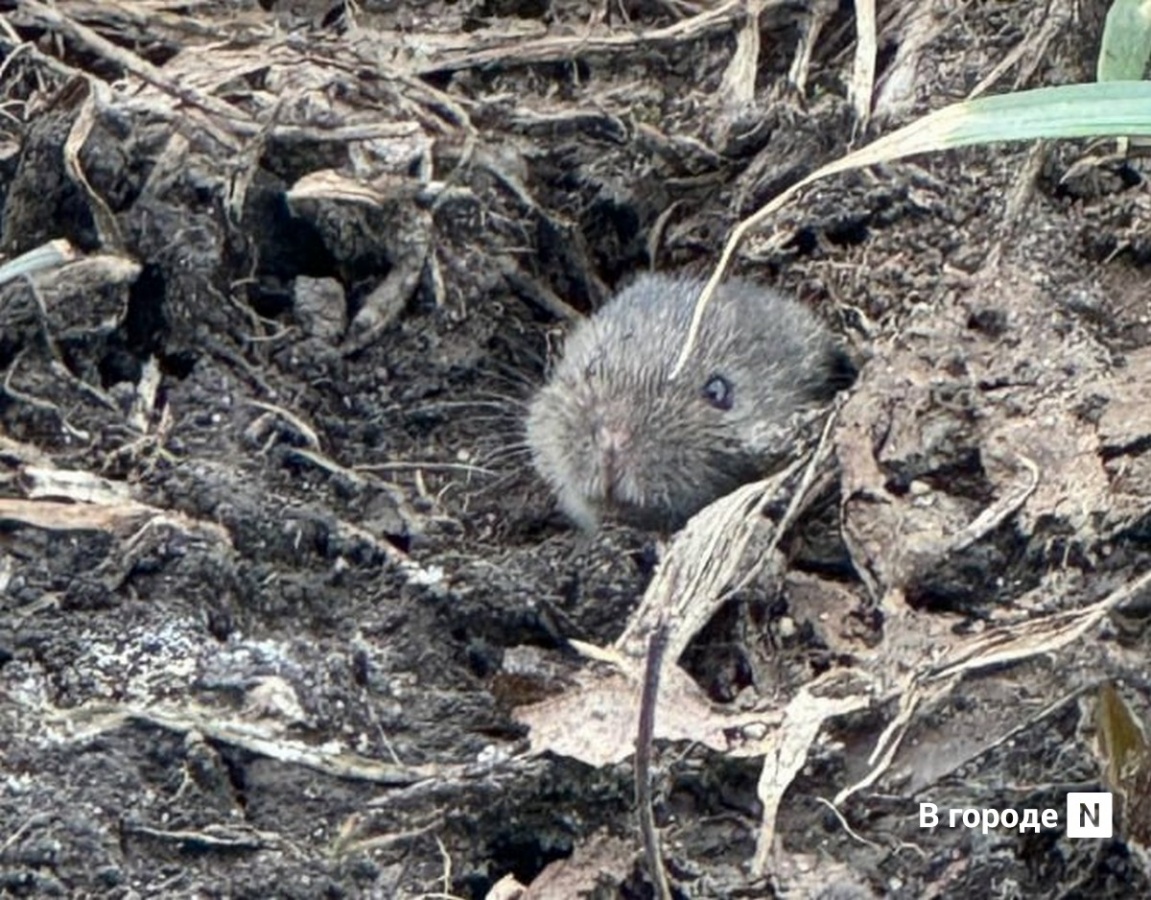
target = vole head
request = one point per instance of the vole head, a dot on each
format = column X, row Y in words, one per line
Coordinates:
column 611, row 432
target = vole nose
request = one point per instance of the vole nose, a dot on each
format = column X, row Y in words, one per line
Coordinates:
column 612, row 441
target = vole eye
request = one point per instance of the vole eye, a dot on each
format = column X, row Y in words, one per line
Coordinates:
column 719, row 392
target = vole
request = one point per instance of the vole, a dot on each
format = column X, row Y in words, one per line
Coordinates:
column 611, row 433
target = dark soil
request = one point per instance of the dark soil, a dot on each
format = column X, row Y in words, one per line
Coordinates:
column 271, row 641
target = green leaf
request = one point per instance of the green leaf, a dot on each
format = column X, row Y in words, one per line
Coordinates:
column 1122, row 743
column 1126, row 43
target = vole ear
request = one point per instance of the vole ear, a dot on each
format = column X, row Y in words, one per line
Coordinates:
column 836, row 372
column 719, row 392
column 841, row 370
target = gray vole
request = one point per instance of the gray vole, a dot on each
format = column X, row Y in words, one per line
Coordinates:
column 610, row 433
